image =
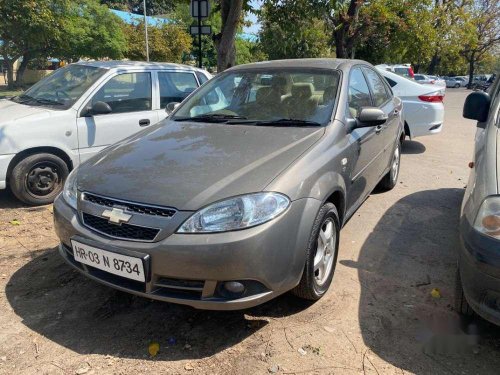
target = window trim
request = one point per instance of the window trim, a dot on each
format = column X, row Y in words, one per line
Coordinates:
column 354, row 67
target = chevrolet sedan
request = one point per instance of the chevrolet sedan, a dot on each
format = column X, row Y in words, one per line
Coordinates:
column 240, row 194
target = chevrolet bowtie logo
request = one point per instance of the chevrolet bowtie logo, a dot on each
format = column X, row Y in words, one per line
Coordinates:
column 116, row 216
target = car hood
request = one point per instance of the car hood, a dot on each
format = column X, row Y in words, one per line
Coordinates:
column 11, row 111
column 189, row 165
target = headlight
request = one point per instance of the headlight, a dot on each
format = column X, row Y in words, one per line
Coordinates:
column 488, row 217
column 236, row 213
column 69, row 192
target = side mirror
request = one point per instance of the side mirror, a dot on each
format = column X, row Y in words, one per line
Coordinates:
column 370, row 116
column 98, row 108
column 477, row 106
column 171, row 107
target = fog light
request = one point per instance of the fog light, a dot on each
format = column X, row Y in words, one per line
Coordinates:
column 234, row 287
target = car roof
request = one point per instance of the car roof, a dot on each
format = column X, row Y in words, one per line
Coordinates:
column 323, row 63
column 114, row 64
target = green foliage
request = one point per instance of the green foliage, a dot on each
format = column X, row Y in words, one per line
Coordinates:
column 153, row 7
column 291, row 30
column 167, row 43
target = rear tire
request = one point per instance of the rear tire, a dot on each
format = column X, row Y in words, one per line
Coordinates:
column 321, row 256
column 461, row 304
column 457, row 85
column 38, row 178
column 391, row 178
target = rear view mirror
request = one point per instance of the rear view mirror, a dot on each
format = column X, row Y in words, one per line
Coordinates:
column 100, row 108
column 477, row 106
column 171, row 107
column 370, row 116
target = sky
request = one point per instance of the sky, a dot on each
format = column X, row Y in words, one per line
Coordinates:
column 255, row 27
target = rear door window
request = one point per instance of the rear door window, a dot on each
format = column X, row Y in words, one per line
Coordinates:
column 175, row 86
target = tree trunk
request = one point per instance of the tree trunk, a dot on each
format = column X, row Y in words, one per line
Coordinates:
column 10, row 71
column 224, row 42
column 471, row 70
column 340, row 51
column 21, row 70
column 433, row 64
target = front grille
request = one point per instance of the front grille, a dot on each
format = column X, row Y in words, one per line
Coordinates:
column 130, row 206
column 124, row 231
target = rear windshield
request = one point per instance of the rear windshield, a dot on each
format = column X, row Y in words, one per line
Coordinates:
column 266, row 94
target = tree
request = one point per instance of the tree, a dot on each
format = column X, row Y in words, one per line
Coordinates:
column 291, row 30
column 485, row 32
column 153, row 7
column 166, row 42
column 58, row 28
column 231, row 12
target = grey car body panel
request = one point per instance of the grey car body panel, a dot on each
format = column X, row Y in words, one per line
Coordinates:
column 188, row 165
column 479, row 256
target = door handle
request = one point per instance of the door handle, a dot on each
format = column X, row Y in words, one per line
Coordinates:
column 144, row 122
column 379, row 128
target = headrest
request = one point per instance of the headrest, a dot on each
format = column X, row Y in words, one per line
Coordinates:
column 302, row 90
column 278, row 81
column 329, row 94
column 267, row 95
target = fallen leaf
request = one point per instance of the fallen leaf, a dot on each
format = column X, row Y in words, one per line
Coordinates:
column 153, row 349
column 188, row 367
column 435, row 293
column 15, row 222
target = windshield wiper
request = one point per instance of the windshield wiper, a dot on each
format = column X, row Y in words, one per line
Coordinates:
column 47, row 101
column 211, row 117
column 278, row 122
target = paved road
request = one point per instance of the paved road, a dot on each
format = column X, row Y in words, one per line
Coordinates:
column 378, row 318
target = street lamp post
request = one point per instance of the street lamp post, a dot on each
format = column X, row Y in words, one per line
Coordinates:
column 146, row 30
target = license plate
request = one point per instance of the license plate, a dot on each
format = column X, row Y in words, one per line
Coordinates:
column 117, row 264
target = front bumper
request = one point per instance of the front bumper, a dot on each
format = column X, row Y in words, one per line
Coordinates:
column 4, row 165
column 190, row 269
column 479, row 263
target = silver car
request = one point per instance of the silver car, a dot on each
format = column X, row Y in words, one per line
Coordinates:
column 240, row 194
column 478, row 279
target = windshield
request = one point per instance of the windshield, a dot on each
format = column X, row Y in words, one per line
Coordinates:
column 284, row 96
column 62, row 88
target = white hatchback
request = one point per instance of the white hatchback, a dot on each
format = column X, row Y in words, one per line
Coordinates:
column 77, row 111
column 423, row 108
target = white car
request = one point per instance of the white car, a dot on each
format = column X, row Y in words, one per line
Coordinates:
column 77, row 111
column 423, row 108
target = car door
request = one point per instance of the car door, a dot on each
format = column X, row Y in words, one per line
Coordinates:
column 174, row 86
column 383, row 99
column 367, row 146
column 130, row 97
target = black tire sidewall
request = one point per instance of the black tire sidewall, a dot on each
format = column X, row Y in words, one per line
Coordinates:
column 315, row 291
column 17, row 179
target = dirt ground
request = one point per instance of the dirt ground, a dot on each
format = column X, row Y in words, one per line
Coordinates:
column 379, row 316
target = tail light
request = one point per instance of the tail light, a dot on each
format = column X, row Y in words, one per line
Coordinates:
column 410, row 72
column 436, row 97
column 432, row 82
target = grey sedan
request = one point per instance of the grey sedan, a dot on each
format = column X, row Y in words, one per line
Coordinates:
column 478, row 279
column 240, row 194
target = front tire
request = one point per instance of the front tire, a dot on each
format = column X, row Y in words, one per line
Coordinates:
column 38, row 179
column 457, row 85
column 391, row 178
column 461, row 304
column 321, row 257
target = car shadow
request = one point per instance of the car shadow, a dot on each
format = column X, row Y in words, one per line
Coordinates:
column 8, row 200
column 406, row 269
column 411, row 147
column 59, row 303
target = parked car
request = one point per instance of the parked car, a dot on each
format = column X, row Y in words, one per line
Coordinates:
column 423, row 109
column 452, row 82
column 438, row 81
column 464, row 81
column 71, row 115
column 239, row 195
column 401, row 69
column 478, row 276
